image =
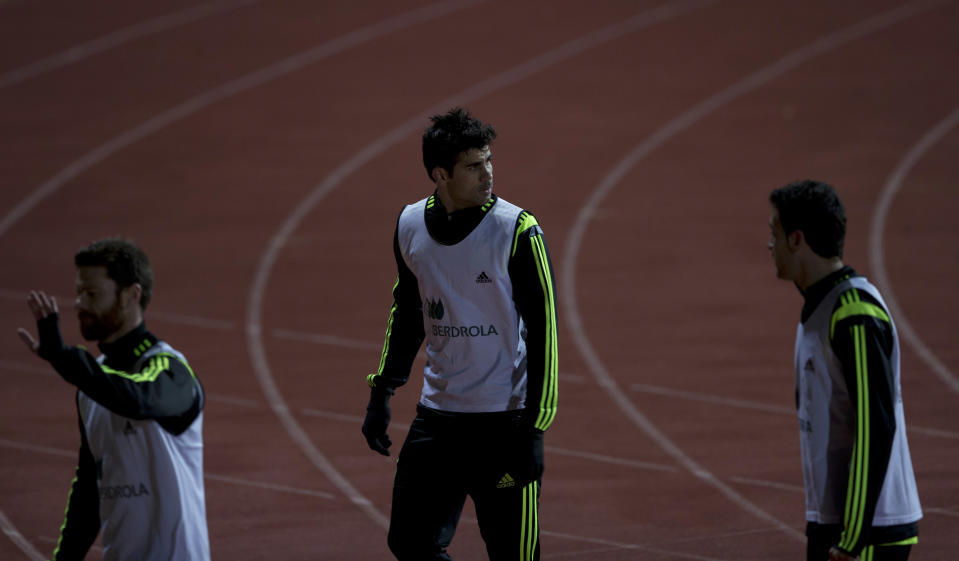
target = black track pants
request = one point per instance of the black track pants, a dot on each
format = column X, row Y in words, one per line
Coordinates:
column 447, row 457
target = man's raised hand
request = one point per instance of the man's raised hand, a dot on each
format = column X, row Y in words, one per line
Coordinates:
column 42, row 306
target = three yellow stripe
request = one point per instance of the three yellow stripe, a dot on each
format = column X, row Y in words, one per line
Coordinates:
column 548, row 399
column 523, row 223
column 855, row 308
column 859, row 466
column 529, row 534
column 155, row 366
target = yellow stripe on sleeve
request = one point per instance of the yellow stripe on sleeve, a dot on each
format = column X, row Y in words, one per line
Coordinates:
column 154, row 367
column 853, row 306
column 523, row 223
column 859, row 466
column 371, row 379
column 549, row 396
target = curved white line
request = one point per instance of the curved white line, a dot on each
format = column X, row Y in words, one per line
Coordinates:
column 267, row 260
column 224, row 91
column 17, row 538
column 877, row 254
column 117, row 38
column 618, row 172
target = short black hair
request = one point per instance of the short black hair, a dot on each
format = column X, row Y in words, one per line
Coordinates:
column 451, row 133
column 126, row 264
column 814, row 208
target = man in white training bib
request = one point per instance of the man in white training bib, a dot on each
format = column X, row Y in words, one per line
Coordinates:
column 861, row 498
column 139, row 478
column 475, row 282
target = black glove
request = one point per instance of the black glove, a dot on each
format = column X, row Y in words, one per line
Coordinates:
column 376, row 421
column 528, row 455
column 48, row 332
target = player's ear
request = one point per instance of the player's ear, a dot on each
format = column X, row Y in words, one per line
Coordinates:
column 794, row 240
column 133, row 293
column 440, row 174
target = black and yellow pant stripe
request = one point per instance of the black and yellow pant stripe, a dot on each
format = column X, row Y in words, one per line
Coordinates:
column 529, row 536
column 822, row 537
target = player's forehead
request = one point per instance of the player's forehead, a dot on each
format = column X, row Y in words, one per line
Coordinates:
column 774, row 217
column 92, row 277
column 474, row 155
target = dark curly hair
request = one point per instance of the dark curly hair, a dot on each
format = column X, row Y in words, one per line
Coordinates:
column 814, row 208
column 126, row 264
column 451, row 133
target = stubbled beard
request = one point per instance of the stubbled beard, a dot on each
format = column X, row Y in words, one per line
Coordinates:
column 99, row 327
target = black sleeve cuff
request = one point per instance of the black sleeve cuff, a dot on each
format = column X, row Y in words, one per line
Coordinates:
column 51, row 343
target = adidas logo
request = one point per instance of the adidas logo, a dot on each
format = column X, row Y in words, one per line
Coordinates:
column 483, row 278
column 506, row 481
column 128, row 430
column 809, row 367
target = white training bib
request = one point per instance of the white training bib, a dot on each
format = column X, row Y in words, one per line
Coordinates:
column 826, row 424
column 474, row 333
column 152, row 505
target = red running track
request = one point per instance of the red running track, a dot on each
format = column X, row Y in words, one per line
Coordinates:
column 260, row 152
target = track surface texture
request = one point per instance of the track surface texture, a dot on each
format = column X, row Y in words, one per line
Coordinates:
column 260, row 150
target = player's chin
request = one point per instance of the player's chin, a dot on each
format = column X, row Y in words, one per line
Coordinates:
column 92, row 330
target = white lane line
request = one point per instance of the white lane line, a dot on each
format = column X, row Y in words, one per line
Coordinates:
column 248, row 81
column 953, row 513
column 254, row 327
column 711, row 538
column 609, row 459
column 232, row 400
column 936, row 433
column 621, row 545
column 194, row 321
column 326, row 340
column 660, row 137
column 60, row 452
column 767, row 407
column 610, row 545
column 48, row 450
column 267, row 486
column 708, row 398
column 587, row 553
column 182, row 319
column 116, row 38
column 764, row 483
column 95, row 548
column 877, row 253
column 18, row 540
column 344, row 417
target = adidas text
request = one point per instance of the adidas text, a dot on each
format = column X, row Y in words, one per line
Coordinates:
column 506, row 481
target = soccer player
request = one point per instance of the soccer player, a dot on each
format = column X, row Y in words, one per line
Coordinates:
column 861, row 498
column 139, row 479
column 476, row 282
